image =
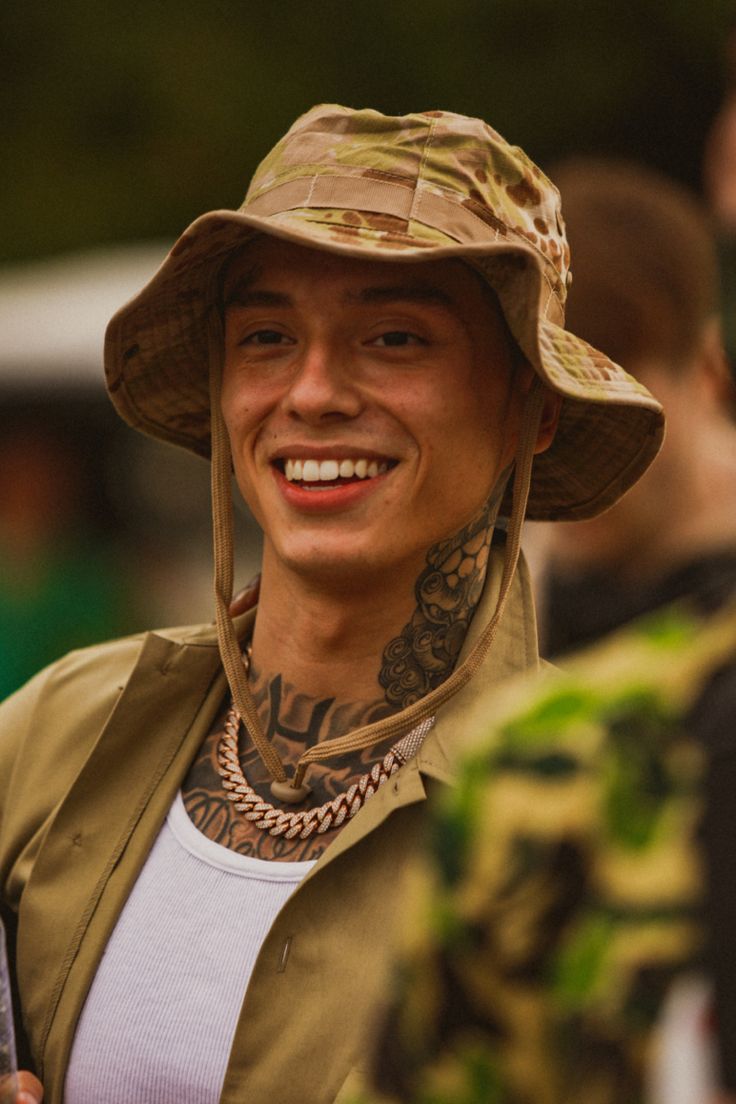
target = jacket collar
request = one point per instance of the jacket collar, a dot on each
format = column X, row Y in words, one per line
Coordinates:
column 514, row 649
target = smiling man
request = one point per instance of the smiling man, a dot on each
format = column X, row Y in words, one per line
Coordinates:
column 208, row 834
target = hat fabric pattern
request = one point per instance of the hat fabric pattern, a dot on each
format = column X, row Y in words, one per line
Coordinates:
column 415, row 188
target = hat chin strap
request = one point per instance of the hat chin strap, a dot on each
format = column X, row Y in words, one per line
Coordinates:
column 294, row 790
column 222, row 529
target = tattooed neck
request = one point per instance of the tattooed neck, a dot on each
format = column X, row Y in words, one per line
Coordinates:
column 421, row 657
column 413, row 663
column 447, row 592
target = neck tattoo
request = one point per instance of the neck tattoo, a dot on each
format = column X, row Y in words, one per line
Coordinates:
column 447, row 592
column 421, row 657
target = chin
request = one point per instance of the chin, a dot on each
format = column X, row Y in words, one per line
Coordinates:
column 343, row 563
column 335, row 565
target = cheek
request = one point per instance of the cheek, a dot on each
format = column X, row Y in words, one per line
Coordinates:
column 231, row 400
column 503, row 413
column 241, row 412
column 465, row 464
column 484, row 437
column 234, row 424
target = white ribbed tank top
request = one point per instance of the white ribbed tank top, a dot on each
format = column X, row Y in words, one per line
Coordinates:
column 159, row 1019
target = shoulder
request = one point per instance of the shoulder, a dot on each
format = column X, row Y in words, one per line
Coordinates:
column 74, row 695
column 98, row 664
column 80, row 676
column 75, row 679
column 49, row 727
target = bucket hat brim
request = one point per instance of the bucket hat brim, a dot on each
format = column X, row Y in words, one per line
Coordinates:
column 156, row 353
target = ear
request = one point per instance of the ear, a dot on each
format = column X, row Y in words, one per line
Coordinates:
column 550, row 410
column 548, row 421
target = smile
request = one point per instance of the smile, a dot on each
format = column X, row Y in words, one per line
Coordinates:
column 318, row 474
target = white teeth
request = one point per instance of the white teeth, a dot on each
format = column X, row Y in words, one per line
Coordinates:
column 328, row 471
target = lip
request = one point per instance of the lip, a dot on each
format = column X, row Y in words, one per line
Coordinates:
column 331, row 499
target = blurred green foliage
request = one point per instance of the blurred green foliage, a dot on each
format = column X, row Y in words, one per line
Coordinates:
column 126, row 119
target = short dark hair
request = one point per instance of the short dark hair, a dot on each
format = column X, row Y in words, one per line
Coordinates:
column 645, row 276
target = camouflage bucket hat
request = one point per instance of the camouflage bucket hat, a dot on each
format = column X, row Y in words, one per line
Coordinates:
column 418, row 187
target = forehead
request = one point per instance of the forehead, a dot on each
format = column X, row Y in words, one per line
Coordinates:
column 268, row 264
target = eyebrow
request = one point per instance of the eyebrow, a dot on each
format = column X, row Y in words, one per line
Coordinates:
column 244, row 295
column 406, row 293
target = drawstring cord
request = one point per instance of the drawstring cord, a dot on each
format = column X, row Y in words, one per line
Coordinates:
column 222, row 526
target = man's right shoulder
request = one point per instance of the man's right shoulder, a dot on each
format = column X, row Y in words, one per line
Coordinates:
column 49, row 726
column 91, row 678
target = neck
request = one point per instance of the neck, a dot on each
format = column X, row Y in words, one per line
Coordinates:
column 365, row 650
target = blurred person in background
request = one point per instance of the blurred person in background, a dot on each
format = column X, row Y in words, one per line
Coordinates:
column 646, row 288
column 719, row 180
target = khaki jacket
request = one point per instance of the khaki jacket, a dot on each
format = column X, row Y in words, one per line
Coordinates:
column 92, row 753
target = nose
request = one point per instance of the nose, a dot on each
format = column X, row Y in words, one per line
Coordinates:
column 323, row 387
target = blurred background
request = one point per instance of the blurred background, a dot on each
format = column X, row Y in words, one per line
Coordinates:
column 123, row 121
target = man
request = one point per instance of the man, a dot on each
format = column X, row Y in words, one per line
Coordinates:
column 374, row 342
column 647, row 287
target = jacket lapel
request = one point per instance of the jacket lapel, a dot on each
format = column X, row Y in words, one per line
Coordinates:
column 105, row 827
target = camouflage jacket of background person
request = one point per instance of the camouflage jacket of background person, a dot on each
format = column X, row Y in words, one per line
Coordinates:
column 561, row 895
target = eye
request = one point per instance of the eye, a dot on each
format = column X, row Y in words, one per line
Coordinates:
column 394, row 339
column 265, row 337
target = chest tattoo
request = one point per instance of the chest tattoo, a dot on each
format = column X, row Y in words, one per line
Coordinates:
column 294, row 722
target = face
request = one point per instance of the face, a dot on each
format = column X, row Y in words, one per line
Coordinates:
column 371, row 406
